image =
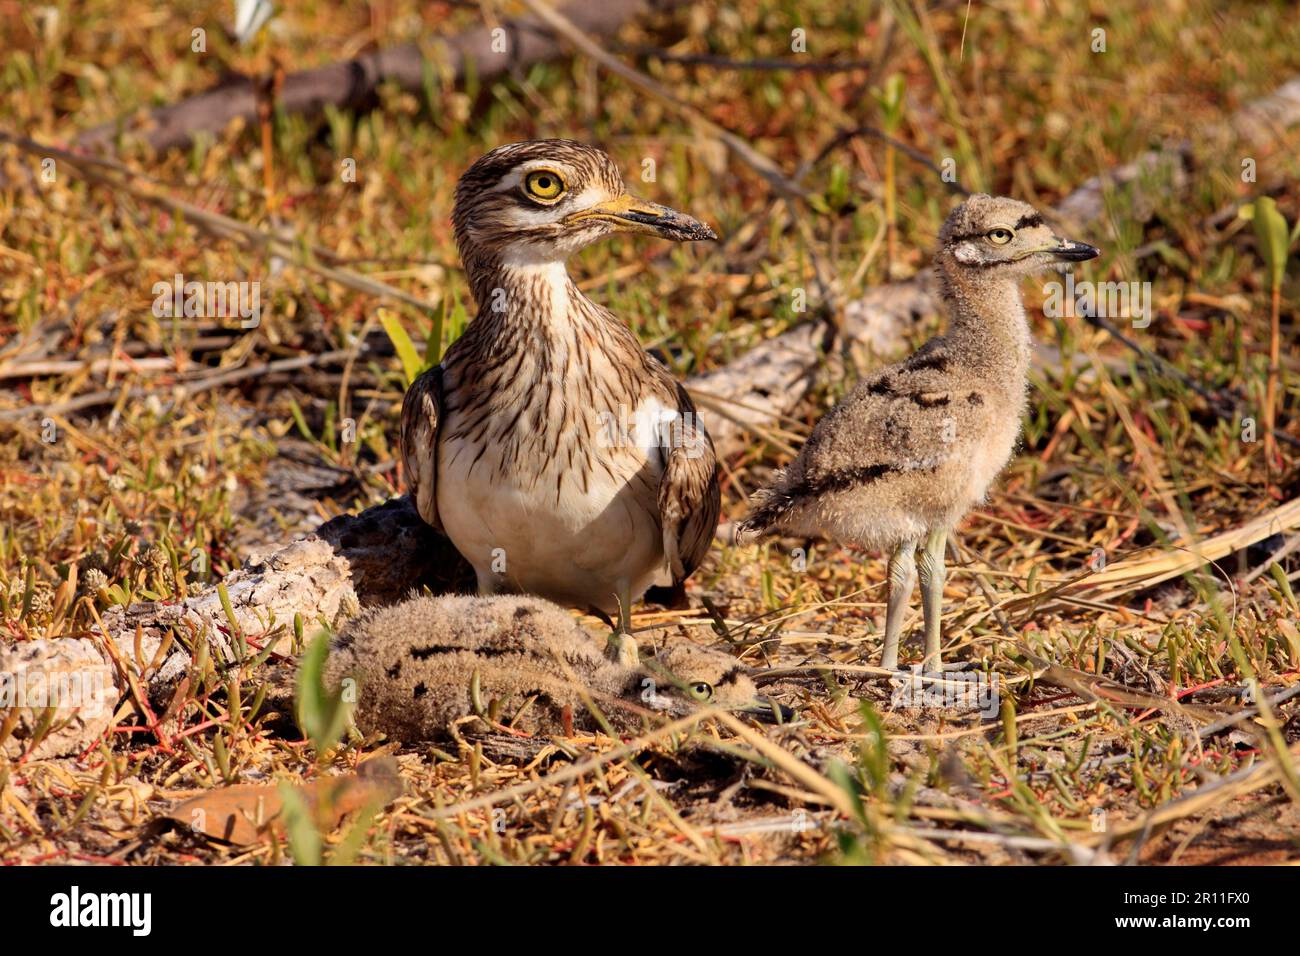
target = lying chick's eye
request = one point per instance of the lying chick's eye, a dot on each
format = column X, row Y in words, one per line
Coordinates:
column 701, row 690
column 544, row 185
column 1000, row 235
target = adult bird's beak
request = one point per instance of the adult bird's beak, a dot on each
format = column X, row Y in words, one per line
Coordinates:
column 629, row 214
column 1067, row 250
column 766, row 709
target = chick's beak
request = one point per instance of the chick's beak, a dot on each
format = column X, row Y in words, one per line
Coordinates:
column 768, row 710
column 629, row 214
column 1067, row 250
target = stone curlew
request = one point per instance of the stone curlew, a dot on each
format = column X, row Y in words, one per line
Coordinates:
column 903, row 457
column 427, row 663
column 558, row 456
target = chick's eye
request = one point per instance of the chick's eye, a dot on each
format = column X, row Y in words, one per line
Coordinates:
column 701, row 691
column 543, row 184
column 1000, row 236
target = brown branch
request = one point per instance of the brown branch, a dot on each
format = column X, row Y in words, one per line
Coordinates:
column 758, row 64
column 353, row 84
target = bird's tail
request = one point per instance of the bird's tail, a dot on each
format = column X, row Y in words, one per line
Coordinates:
column 767, row 508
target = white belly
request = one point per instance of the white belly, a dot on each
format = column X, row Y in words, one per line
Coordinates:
column 543, row 532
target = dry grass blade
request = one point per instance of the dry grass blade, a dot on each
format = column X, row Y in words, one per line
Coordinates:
column 1129, row 574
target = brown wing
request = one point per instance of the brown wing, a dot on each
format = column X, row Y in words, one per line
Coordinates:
column 421, row 409
column 902, row 418
column 690, row 499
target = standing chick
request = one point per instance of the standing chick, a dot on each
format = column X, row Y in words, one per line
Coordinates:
column 426, row 663
column 900, row 461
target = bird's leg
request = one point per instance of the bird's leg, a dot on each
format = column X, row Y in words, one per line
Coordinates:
column 932, row 578
column 621, row 647
column 488, row 582
column 902, row 577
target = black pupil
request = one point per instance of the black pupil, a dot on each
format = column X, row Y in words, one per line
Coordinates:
column 544, row 183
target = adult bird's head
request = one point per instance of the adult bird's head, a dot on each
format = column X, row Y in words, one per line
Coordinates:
column 997, row 236
column 538, row 202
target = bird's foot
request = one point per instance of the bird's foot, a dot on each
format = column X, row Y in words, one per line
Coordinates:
column 621, row 649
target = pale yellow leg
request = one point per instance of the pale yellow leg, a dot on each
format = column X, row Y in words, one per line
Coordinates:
column 621, row 646
column 902, row 578
column 932, row 578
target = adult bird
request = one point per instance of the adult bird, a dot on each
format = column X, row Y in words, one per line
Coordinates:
column 559, row 457
column 913, row 447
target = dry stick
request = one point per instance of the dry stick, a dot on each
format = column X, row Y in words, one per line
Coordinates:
column 1233, row 720
column 1008, row 841
column 1222, row 401
column 56, row 367
column 1127, row 575
column 1289, row 545
column 765, row 167
column 872, row 132
column 759, row 63
column 571, row 772
column 188, row 388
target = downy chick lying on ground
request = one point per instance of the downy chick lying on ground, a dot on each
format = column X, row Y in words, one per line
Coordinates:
column 521, row 662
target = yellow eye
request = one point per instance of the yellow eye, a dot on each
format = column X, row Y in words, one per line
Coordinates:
column 1000, row 235
column 544, row 185
column 701, row 691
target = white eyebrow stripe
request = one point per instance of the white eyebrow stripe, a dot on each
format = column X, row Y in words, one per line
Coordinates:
column 541, row 214
column 516, row 176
